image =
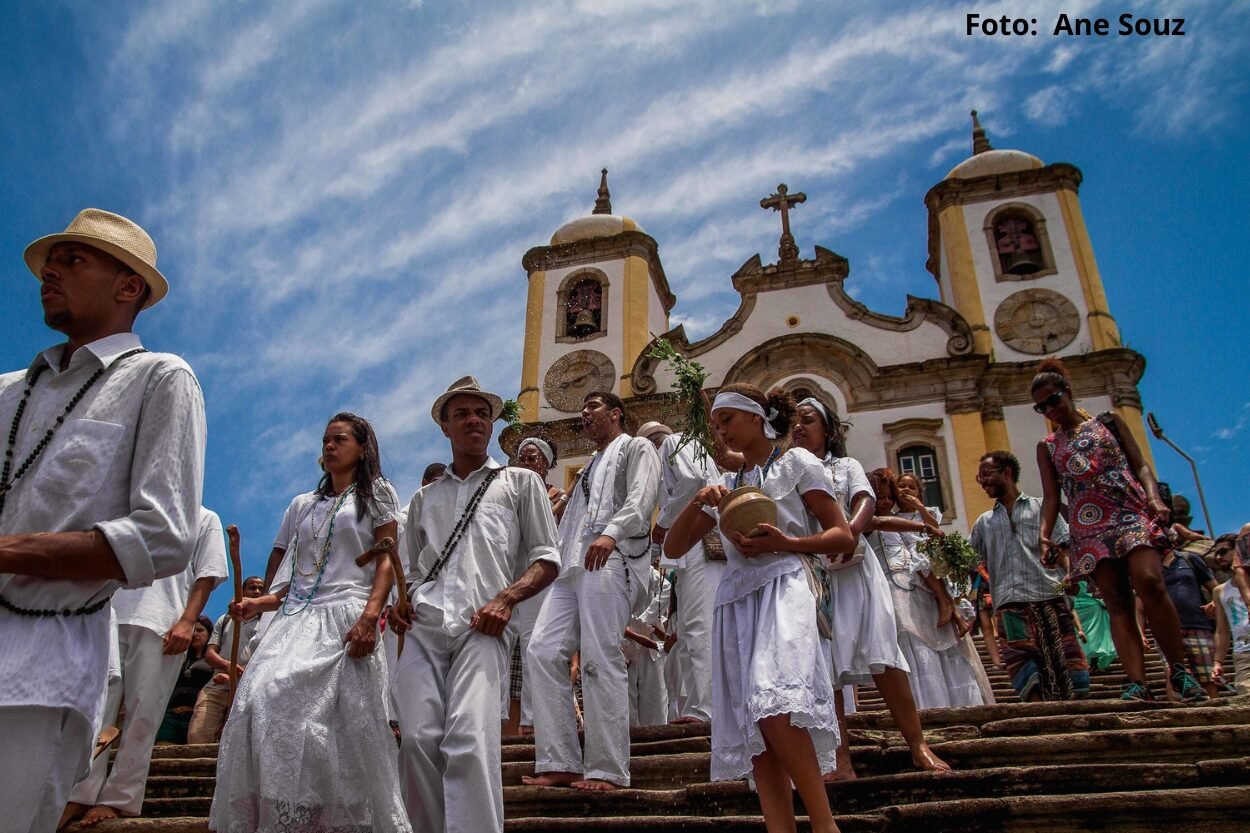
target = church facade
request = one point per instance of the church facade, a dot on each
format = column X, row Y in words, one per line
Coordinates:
column 928, row 392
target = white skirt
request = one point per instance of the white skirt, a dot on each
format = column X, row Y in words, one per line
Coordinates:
column 865, row 634
column 767, row 660
column 307, row 748
column 940, row 679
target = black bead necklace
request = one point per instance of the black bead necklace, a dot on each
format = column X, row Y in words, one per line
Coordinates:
column 6, row 482
column 461, row 527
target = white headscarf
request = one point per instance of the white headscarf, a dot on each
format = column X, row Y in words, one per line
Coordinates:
column 819, row 408
column 738, row 402
column 543, row 448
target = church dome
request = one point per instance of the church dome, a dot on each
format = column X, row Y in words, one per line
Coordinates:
column 601, row 223
column 986, row 161
column 994, row 162
column 596, row 225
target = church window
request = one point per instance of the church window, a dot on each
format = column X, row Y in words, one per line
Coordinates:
column 582, row 306
column 917, row 446
column 1019, row 245
column 920, row 461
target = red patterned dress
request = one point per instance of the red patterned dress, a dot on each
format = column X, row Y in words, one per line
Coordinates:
column 1107, row 514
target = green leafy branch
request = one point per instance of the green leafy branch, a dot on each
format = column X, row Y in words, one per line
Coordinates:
column 694, row 424
column 952, row 557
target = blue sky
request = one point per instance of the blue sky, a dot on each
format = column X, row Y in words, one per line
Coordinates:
column 341, row 193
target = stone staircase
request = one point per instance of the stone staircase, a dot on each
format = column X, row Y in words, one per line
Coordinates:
column 1093, row 765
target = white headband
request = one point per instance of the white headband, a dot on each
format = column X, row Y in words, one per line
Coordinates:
column 818, row 406
column 542, row 447
column 738, row 402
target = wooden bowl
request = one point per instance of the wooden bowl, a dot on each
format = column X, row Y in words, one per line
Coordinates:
column 744, row 509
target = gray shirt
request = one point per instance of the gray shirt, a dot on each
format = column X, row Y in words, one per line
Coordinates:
column 1010, row 546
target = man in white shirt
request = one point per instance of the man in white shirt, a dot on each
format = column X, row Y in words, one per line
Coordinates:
column 697, row 573
column 479, row 539
column 100, row 488
column 154, row 625
column 604, row 541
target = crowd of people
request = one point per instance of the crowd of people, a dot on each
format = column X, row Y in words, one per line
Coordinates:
column 367, row 679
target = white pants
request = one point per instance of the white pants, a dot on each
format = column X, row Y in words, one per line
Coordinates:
column 674, row 680
column 584, row 611
column 148, row 678
column 648, row 697
column 43, row 750
column 526, row 616
column 696, row 592
column 446, row 690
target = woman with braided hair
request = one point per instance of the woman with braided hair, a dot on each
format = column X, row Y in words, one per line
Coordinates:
column 1117, row 521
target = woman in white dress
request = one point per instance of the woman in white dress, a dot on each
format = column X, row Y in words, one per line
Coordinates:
column 945, row 669
column 865, row 636
column 772, row 717
column 307, row 748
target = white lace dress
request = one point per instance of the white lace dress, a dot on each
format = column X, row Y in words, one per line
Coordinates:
column 307, row 748
column 865, row 635
column 767, row 655
column 945, row 671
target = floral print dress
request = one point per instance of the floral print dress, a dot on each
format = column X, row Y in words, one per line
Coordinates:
column 1107, row 514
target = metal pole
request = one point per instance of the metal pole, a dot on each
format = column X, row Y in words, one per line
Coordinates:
column 1157, row 430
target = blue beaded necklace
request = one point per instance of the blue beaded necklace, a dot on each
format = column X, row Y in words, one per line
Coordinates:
column 323, row 559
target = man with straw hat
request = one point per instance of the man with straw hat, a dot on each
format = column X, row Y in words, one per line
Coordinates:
column 100, row 488
column 479, row 540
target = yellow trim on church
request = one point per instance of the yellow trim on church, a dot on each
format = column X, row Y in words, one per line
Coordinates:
column 528, row 399
column 1137, row 427
column 965, row 290
column 996, row 437
column 969, row 449
column 1103, row 332
column 634, row 332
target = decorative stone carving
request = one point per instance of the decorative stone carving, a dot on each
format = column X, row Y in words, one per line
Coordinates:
column 1037, row 321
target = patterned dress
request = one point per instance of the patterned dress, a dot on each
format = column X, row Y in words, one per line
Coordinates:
column 1107, row 513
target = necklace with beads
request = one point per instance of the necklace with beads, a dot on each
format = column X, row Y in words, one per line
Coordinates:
column 321, row 550
column 7, row 482
column 772, row 456
column 319, row 565
column 461, row 527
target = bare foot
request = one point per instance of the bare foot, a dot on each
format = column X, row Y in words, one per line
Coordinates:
column 551, row 779
column 684, row 720
column 844, row 771
column 72, row 812
column 97, row 814
column 924, row 759
column 594, row 785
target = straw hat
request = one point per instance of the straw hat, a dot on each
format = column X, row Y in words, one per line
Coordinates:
column 469, row 385
column 647, row 429
column 111, row 233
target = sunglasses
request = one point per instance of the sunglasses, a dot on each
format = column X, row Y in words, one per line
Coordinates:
column 1049, row 402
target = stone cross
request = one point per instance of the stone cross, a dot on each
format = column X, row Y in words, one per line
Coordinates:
column 782, row 201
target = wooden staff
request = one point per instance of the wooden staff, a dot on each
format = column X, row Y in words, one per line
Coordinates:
column 386, row 547
column 401, row 586
column 236, row 567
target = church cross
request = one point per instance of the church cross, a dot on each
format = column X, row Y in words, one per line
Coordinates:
column 783, row 201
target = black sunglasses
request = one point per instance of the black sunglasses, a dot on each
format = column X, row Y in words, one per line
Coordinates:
column 1049, row 402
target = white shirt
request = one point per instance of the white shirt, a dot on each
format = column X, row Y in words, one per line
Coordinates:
column 789, row 477
column 511, row 529
column 159, row 606
column 306, row 519
column 682, row 476
column 128, row 461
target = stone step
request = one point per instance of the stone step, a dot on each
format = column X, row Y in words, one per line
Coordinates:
column 871, row 795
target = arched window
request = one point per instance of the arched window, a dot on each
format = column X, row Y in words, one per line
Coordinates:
column 921, row 462
column 582, row 302
column 1019, row 244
